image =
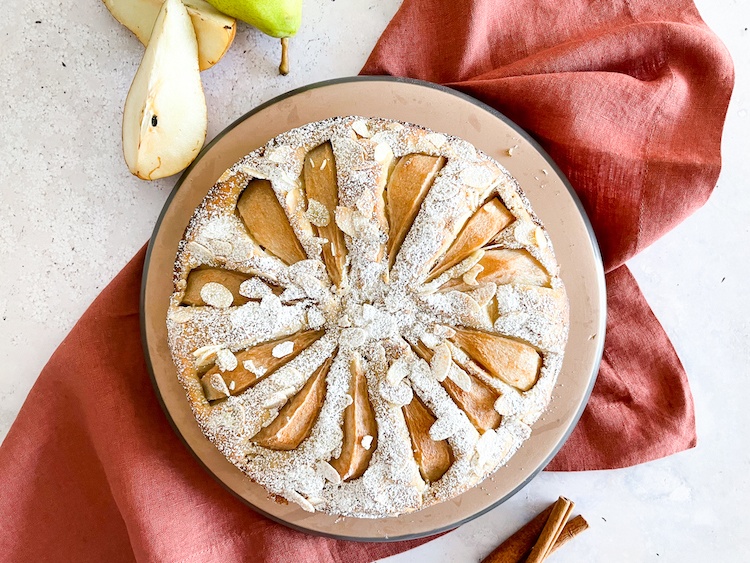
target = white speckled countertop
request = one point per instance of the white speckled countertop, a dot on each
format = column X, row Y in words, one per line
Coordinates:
column 71, row 216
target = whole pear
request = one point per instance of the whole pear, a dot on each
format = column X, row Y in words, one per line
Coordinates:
column 277, row 18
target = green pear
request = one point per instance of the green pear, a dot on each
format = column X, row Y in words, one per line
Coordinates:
column 277, row 18
column 165, row 118
column 213, row 29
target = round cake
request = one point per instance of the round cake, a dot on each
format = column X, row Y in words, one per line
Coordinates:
column 367, row 316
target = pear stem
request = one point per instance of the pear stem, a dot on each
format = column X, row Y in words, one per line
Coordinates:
column 284, row 66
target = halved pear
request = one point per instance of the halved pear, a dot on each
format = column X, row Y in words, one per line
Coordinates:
column 410, row 181
column 359, row 423
column 297, row 417
column 482, row 227
column 164, row 120
column 201, row 276
column 319, row 175
column 214, row 30
column 258, row 362
column 511, row 361
column 267, row 223
column 503, row 266
column 433, row 458
column 478, row 401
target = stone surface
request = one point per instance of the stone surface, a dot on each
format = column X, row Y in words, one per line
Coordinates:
column 71, row 216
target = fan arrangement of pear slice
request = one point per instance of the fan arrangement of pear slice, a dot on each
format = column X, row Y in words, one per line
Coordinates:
column 367, row 316
column 165, row 118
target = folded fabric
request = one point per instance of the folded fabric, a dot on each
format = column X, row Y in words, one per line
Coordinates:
column 629, row 99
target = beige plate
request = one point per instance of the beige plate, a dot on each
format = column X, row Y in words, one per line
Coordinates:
column 446, row 111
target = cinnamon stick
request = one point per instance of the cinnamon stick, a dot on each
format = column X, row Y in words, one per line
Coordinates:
column 552, row 529
column 571, row 530
column 515, row 548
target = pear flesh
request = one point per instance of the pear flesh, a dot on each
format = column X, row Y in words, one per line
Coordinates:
column 214, row 30
column 165, row 118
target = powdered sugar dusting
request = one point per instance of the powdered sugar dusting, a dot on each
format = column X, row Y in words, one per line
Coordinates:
column 378, row 315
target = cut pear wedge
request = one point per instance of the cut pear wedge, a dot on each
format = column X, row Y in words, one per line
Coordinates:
column 505, row 266
column 478, row 401
column 297, row 417
column 360, row 429
column 164, row 120
column 199, row 277
column 214, row 30
column 408, row 185
column 433, row 458
column 259, row 362
column 319, row 175
column 513, row 362
column 265, row 220
column 481, row 228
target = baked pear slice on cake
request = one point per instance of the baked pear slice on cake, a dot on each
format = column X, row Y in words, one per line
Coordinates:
column 360, row 428
column 296, row 418
column 434, row 458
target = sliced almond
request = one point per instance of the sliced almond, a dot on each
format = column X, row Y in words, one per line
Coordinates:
column 201, row 276
column 261, row 360
column 490, row 219
column 433, row 458
column 297, row 417
column 267, row 222
column 513, row 362
column 321, row 185
column 359, row 421
column 214, row 387
column 408, row 186
column 216, row 295
column 440, row 362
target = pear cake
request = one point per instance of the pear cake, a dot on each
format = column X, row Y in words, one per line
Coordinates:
column 367, row 316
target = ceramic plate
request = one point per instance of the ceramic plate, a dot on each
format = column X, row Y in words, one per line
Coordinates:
column 446, row 111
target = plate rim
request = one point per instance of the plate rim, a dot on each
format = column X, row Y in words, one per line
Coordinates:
column 599, row 351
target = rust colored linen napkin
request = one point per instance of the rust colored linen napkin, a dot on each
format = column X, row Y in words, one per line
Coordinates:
column 628, row 96
column 629, row 99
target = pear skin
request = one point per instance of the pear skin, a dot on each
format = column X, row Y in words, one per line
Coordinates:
column 481, row 227
column 265, row 220
column 319, row 173
column 261, row 361
column 408, row 185
column 433, row 458
column 511, row 361
column 359, row 422
column 297, row 417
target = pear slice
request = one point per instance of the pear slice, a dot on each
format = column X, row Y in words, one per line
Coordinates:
column 513, row 362
column 164, row 120
column 201, row 276
column 410, row 181
column 359, row 423
column 214, row 30
column 477, row 401
column 506, row 266
column 319, row 175
column 433, row 458
column 259, row 362
column 482, row 227
column 267, row 223
column 297, row 417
